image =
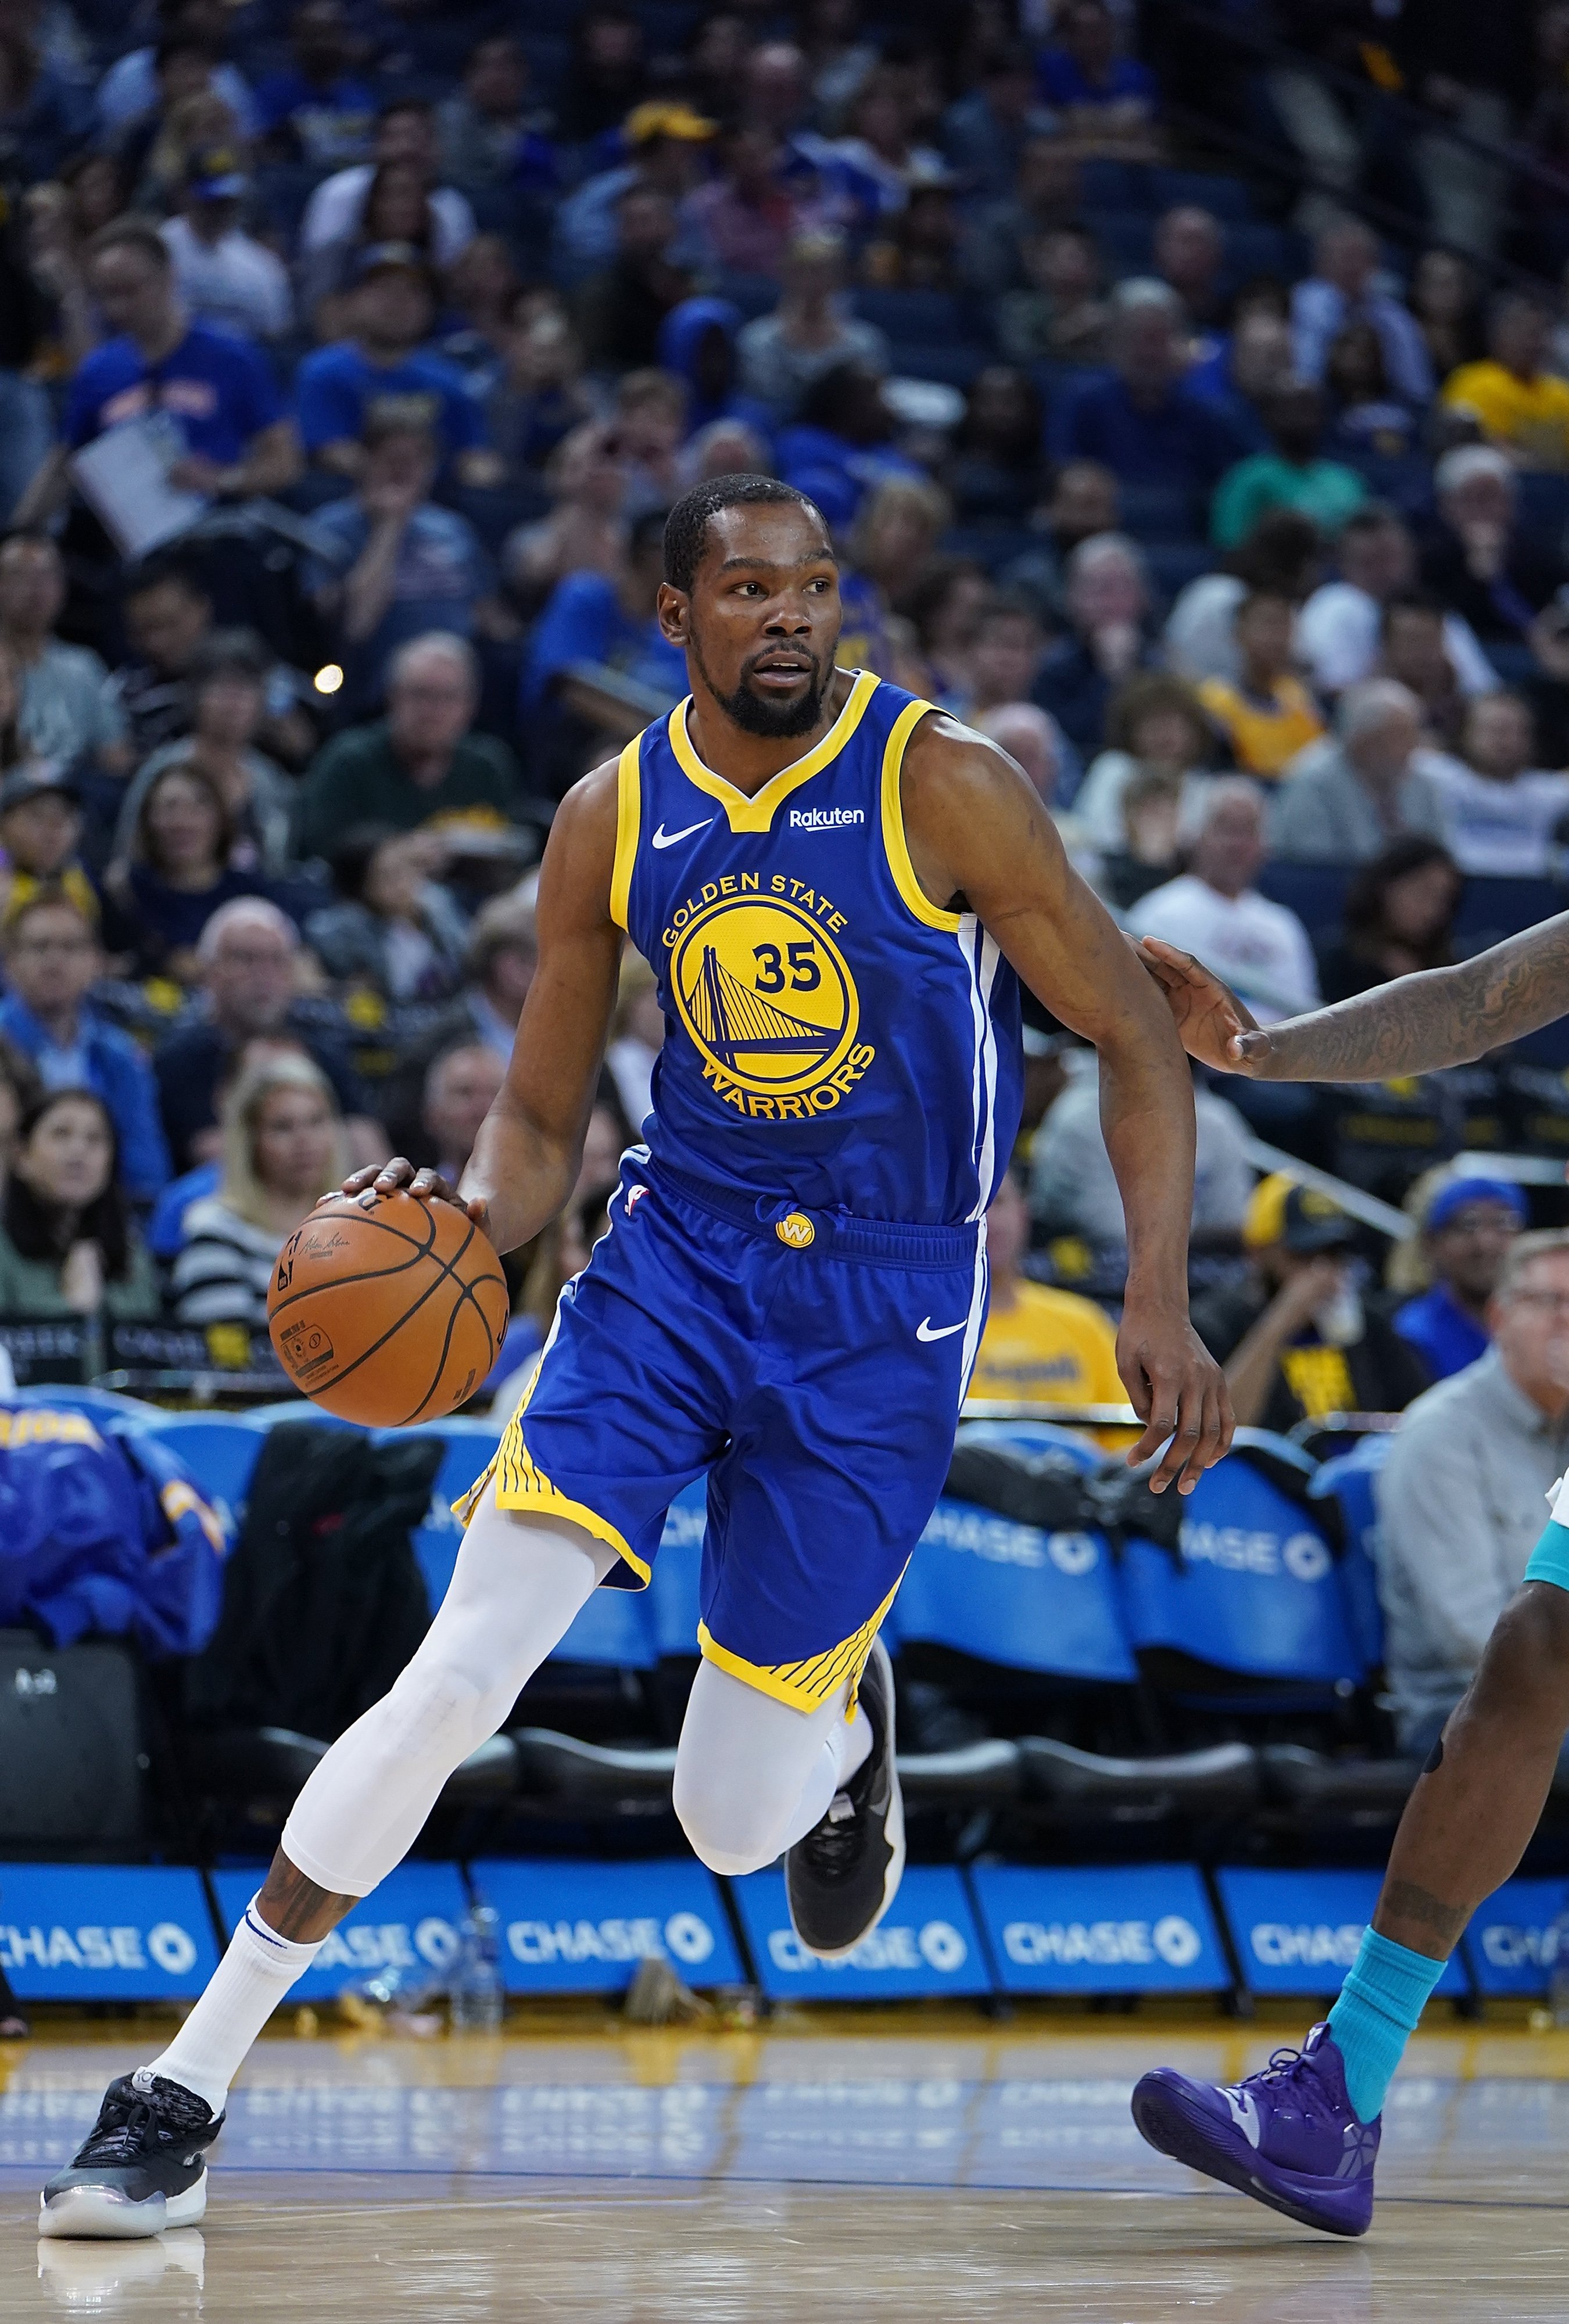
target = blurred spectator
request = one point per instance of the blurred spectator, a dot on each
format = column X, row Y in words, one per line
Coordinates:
column 943, row 604
column 1468, row 1225
column 776, row 95
column 283, row 1148
column 637, row 1035
column 664, row 145
column 167, row 614
column 460, row 1089
column 1154, row 726
column 1338, row 629
column 52, row 962
column 227, row 681
column 1267, row 716
column 1370, row 421
column 1520, row 405
column 249, row 953
column 1214, row 911
column 176, row 872
column 716, row 54
column 986, row 132
column 405, row 132
column 1298, row 1340
column 67, row 1245
column 595, row 632
column 489, row 139
column 45, row 113
column 1190, row 255
column 395, row 929
column 502, row 955
column 223, row 275
column 1105, row 101
column 537, row 395
column 811, row 332
column 1444, row 300
column 68, row 706
column 1083, row 501
column 1478, row 557
column 1413, row 647
column 386, row 359
column 1039, row 1346
column 896, row 530
column 1363, row 791
column 1460, row 1497
column 13, row 749
column 586, row 530
column 1006, row 650
column 1044, row 199
column 481, row 292
column 396, row 214
column 313, row 109
column 918, row 249
column 744, row 220
column 995, row 465
column 41, row 830
column 1509, row 817
column 1142, row 421
column 129, row 91
column 1280, row 558
column 419, row 763
column 1398, row 918
column 1145, row 850
column 401, row 566
column 697, row 345
column 650, row 419
column 1244, row 372
column 158, row 157
column 1292, row 474
column 620, row 307
column 880, row 144
column 837, row 60
column 1072, row 1188
column 1106, row 598
column 607, row 75
column 1060, row 317
column 1035, row 741
column 1343, row 287
column 840, row 445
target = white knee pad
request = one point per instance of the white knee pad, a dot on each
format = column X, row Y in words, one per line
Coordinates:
column 730, row 1833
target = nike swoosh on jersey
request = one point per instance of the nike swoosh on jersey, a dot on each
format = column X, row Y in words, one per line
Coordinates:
column 663, row 838
column 923, row 1331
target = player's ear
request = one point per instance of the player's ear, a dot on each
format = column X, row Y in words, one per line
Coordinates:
column 673, row 612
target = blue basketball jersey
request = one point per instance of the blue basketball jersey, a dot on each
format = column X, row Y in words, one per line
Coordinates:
column 831, row 1034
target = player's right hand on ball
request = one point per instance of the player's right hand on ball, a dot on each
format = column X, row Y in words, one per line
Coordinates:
column 400, row 1177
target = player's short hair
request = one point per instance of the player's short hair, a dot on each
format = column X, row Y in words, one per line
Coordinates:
column 687, row 526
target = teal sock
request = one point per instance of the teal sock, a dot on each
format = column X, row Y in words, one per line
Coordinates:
column 1385, row 1993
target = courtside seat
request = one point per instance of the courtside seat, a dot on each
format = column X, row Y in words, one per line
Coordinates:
column 1318, row 1789
column 265, row 1769
column 1350, row 1481
column 218, row 1450
column 561, row 1774
column 1082, row 1787
column 492, row 1771
column 976, row 1776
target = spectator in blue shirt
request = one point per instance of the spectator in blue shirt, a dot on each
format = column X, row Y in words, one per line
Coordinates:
column 1143, row 421
column 216, row 387
column 984, row 133
column 386, row 358
column 598, row 662
column 51, row 964
column 1098, row 93
column 1466, row 1232
column 129, row 91
column 314, row 110
column 840, row 446
column 1106, row 597
column 404, row 566
column 697, row 343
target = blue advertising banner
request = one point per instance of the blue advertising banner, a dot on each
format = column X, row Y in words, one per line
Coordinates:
column 1514, row 1939
column 1298, row 1931
column 409, row 1927
column 928, row 1944
column 104, row 1931
column 1118, row 1928
column 584, row 1928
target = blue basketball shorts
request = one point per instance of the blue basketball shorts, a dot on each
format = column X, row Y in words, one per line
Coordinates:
column 813, row 1363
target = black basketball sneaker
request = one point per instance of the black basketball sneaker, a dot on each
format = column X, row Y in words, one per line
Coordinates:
column 845, row 1875
column 140, row 2168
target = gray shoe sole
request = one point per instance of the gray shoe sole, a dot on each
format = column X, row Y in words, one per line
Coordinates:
column 103, row 2215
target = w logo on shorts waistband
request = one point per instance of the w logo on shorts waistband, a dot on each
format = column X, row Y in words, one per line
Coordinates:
column 797, row 1230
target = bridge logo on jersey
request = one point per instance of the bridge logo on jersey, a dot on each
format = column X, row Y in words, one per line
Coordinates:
column 768, row 999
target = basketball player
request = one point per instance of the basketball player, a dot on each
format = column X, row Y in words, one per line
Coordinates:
column 839, row 890
column 1303, row 2136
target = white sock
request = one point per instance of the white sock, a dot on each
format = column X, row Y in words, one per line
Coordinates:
column 248, row 1983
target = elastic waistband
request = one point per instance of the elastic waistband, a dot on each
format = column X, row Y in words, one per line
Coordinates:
column 879, row 1243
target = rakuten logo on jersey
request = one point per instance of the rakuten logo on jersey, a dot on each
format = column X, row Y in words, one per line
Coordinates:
column 816, row 818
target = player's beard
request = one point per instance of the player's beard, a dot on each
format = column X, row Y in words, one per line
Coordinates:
column 754, row 714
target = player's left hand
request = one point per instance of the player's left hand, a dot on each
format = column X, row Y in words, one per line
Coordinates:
column 1178, row 1389
column 400, row 1177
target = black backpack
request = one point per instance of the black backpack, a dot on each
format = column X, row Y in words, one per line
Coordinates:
column 324, row 1601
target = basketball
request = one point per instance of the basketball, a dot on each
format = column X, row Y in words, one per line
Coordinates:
column 390, row 1314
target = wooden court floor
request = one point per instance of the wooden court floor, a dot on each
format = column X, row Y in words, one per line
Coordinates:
column 905, row 2169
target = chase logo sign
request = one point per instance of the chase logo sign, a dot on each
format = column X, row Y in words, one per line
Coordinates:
column 584, row 1928
column 1305, row 1556
column 407, row 1929
column 1519, row 1941
column 1299, row 1931
column 928, row 1944
column 1146, row 1928
column 104, row 1933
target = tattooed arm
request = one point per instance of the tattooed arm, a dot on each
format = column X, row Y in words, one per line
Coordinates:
column 1414, row 1024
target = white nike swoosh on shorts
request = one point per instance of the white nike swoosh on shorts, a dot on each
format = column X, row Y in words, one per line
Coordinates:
column 923, row 1331
column 663, row 838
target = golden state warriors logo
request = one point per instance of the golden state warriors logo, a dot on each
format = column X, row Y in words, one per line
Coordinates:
column 768, row 998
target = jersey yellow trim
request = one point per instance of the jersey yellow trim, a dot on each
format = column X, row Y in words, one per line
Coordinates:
column 628, row 824
column 805, row 1685
column 520, row 1485
column 757, row 814
column 895, row 845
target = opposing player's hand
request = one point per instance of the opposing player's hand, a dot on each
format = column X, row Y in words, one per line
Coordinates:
column 1212, row 1021
column 1178, row 1389
column 400, row 1177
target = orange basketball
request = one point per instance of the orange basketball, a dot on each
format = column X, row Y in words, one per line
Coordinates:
column 390, row 1314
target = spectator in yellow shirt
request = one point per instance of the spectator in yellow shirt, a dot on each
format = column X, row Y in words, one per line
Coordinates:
column 1040, row 1346
column 1269, row 716
column 1522, row 407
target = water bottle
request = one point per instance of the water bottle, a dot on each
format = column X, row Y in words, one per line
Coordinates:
column 476, row 1994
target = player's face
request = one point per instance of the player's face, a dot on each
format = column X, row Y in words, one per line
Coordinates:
column 762, row 621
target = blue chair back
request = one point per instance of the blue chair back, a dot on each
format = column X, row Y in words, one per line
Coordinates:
column 673, row 1594
column 469, row 1445
column 1350, row 1481
column 220, row 1450
column 1256, row 1591
column 1012, row 1594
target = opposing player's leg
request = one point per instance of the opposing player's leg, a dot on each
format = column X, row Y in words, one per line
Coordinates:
column 1303, row 2136
column 757, row 1778
column 517, row 1585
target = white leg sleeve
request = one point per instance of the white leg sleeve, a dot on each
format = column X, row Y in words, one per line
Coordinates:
column 752, row 1775
column 518, row 1583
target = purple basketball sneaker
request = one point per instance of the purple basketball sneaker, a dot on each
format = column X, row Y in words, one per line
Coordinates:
column 1287, row 2136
